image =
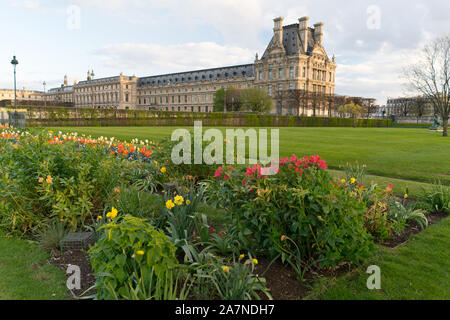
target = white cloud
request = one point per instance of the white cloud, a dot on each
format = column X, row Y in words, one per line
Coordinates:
column 27, row 4
column 147, row 59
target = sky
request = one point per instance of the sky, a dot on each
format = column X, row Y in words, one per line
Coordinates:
column 373, row 41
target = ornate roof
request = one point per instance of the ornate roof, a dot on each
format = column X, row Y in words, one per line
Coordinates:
column 246, row 70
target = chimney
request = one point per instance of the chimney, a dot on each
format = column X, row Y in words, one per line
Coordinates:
column 318, row 33
column 278, row 30
column 303, row 29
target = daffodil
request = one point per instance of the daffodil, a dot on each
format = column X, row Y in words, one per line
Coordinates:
column 99, row 218
column 179, row 200
column 343, row 181
column 255, row 261
column 170, row 204
column 406, row 196
column 225, row 269
column 352, row 180
column 163, row 169
column 112, row 214
column 188, row 202
column 140, row 252
column 242, row 256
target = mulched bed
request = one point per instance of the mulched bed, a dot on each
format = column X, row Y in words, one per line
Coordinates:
column 412, row 229
column 281, row 279
column 78, row 258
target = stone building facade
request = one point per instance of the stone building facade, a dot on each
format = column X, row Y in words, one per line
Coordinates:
column 23, row 94
column 294, row 59
column 409, row 106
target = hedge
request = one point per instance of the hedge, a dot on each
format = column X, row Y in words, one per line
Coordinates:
column 78, row 117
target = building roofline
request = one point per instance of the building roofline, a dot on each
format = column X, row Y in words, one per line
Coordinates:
column 200, row 70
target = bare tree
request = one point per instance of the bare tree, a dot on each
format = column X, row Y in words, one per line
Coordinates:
column 431, row 77
column 406, row 106
column 419, row 107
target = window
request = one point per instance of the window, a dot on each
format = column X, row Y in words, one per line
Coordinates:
column 291, row 86
column 270, row 74
column 260, row 75
column 126, row 97
column 270, row 89
column 280, row 87
column 304, row 72
column 330, row 76
column 280, row 73
column 291, row 72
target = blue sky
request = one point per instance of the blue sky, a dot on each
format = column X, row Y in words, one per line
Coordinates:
column 372, row 40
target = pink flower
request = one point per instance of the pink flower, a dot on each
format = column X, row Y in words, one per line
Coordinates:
column 244, row 181
column 226, row 177
column 218, row 174
column 391, row 186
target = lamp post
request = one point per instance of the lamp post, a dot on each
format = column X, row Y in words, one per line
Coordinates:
column 14, row 62
column 45, row 94
column 92, row 79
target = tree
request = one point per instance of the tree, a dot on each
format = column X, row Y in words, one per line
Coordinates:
column 256, row 100
column 231, row 97
column 352, row 109
column 431, row 77
column 369, row 107
column 219, row 100
column 419, row 107
column 406, row 106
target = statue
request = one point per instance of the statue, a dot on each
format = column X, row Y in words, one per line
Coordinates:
column 436, row 125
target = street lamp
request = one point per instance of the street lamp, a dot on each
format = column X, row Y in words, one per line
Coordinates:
column 45, row 94
column 92, row 79
column 14, row 62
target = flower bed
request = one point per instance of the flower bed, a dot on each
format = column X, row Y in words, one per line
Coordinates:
column 154, row 242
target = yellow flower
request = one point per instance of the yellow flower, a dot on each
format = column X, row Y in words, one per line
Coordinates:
column 117, row 190
column 242, row 256
column 41, row 180
column 179, row 200
column 406, row 196
column 156, row 163
column 352, row 180
column 49, row 180
column 140, row 252
column 170, row 204
column 343, row 181
column 188, row 202
column 283, row 238
column 225, row 269
column 163, row 170
column 112, row 214
column 255, row 261
column 99, row 218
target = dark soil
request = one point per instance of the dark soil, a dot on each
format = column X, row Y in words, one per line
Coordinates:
column 281, row 279
column 78, row 258
column 412, row 229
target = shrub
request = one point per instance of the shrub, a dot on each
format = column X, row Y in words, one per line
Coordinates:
column 131, row 201
column 52, row 177
column 299, row 202
column 51, row 237
column 133, row 260
column 438, row 198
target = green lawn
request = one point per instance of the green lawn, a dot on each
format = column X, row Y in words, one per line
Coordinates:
column 418, row 270
column 25, row 273
column 411, row 154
